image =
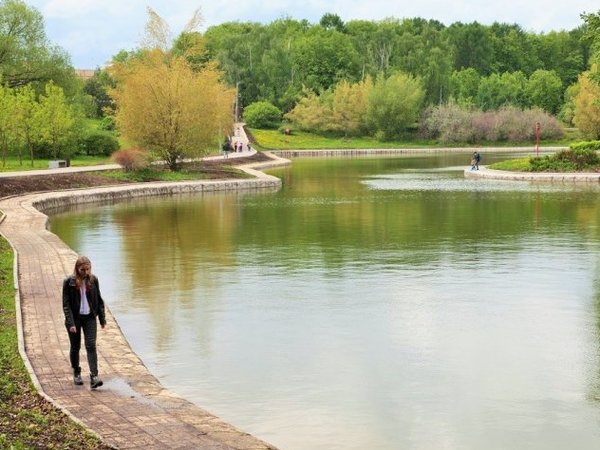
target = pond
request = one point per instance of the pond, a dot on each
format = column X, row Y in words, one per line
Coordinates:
column 371, row 303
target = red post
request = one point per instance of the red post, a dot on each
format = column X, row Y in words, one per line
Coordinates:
column 537, row 138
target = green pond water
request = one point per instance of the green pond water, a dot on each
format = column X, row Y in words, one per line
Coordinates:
column 374, row 303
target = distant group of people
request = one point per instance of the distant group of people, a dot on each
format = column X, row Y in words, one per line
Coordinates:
column 229, row 145
column 475, row 160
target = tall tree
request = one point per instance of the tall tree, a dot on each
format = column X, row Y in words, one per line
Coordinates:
column 472, row 47
column 322, row 58
column 545, row 90
column 26, row 56
column 394, row 105
column 56, row 122
column 310, row 114
column 587, row 105
column 7, row 121
column 349, row 106
column 26, row 109
column 464, row 85
column 97, row 88
column 167, row 106
column 500, row 90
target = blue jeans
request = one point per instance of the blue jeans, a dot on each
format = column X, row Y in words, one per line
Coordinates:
column 89, row 326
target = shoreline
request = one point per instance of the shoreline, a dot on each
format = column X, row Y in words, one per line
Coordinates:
column 132, row 410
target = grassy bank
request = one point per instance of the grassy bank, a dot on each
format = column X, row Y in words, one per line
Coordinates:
column 564, row 161
column 13, row 164
column 299, row 140
column 27, row 421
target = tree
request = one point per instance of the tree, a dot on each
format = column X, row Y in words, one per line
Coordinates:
column 262, row 115
column 322, row 58
column 592, row 33
column 26, row 109
column 165, row 105
column 544, row 89
column 501, row 90
column 472, row 47
column 310, row 114
column 464, row 85
column 349, row 106
column 97, row 88
column 56, row 122
column 25, row 54
column 394, row 105
column 587, row 105
column 7, row 120
column 331, row 21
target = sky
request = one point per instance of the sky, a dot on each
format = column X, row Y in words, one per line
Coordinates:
column 92, row 31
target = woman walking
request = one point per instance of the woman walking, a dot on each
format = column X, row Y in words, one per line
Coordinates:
column 82, row 304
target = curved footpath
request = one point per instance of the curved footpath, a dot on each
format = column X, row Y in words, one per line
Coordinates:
column 132, row 410
column 578, row 177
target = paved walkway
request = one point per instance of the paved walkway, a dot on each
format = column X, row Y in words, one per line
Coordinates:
column 132, row 410
column 577, row 177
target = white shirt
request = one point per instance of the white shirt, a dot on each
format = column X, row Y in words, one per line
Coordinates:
column 84, row 307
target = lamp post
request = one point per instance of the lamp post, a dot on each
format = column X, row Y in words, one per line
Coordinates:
column 537, row 138
column 237, row 101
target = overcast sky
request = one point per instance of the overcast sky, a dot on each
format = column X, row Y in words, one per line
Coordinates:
column 92, row 31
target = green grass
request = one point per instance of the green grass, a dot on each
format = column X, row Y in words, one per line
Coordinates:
column 26, row 420
column 13, row 165
column 513, row 165
column 299, row 140
column 153, row 174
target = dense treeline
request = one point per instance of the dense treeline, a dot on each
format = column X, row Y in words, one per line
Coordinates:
column 274, row 62
column 395, row 78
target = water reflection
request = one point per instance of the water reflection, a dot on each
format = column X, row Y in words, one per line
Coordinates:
column 381, row 304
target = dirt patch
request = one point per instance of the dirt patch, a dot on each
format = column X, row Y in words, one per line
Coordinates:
column 212, row 169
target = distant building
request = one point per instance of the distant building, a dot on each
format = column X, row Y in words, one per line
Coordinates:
column 85, row 74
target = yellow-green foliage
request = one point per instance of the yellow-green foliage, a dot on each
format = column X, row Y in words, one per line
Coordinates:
column 587, row 109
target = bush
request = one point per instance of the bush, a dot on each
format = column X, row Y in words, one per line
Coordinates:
column 100, row 143
column 453, row 123
column 131, row 159
column 586, row 145
column 262, row 115
column 108, row 123
column 581, row 158
column 566, row 161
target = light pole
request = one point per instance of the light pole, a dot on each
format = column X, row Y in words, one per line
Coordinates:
column 237, row 101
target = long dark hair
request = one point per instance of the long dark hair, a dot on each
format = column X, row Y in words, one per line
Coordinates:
column 79, row 280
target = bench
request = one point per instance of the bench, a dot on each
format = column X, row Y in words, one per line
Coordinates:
column 57, row 164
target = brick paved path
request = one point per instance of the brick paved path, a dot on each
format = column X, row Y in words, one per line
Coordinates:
column 132, row 409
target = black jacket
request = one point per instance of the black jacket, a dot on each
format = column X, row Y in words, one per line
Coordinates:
column 72, row 301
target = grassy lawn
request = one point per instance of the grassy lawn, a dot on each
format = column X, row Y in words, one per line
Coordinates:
column 275, row 140
column 13, row 165
column 298, row 140
column 27, row 421
column 512, row 165
column 153, row 174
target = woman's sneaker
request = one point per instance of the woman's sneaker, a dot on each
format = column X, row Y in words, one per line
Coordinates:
column 95, row 382
column 77, row 379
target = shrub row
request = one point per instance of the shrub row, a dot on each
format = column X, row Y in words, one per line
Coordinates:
column 452, row 123
column 586, row 145
column 566, row 161
column 96, row 143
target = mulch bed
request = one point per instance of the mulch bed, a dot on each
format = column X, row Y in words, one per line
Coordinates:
column 213, row 169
